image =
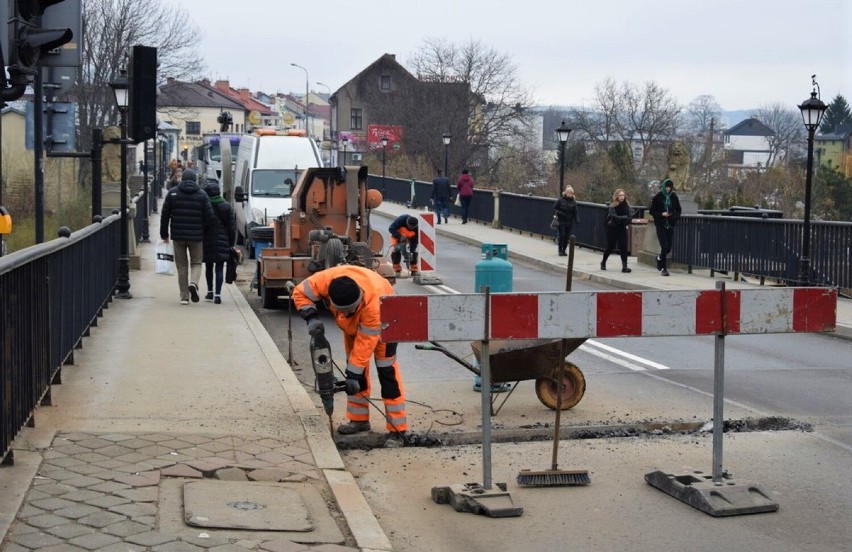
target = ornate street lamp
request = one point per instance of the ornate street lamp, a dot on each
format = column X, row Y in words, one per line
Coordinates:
column 446, row 137
column 122, row 96
column 384, row 161
column 812, row 111
column 345, row 142
column 562, row 135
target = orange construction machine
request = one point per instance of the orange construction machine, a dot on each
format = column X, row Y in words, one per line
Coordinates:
column 328, row 225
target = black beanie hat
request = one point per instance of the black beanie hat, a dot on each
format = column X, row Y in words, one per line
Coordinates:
column 212, row 190
column 411, row 223
column 189, row 174
column 344, row 293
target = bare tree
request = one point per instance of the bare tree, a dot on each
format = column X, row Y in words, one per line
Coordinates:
column 700, row 113
column 601, row 122
column 111, row 28
column 649, row 115
column 497, row 102
column 787, row 126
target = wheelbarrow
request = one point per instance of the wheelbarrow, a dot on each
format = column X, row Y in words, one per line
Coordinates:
column 512, row 361
column 530, row 359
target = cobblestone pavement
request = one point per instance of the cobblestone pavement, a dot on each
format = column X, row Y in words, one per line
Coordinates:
column 102, row 491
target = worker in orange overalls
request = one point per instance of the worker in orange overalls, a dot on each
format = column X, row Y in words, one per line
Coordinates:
column 351, row 293
column 403, row 230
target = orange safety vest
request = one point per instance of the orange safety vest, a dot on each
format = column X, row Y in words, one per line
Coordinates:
column 364, row 327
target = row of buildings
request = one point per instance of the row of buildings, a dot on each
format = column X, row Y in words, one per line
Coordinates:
column 353, row 119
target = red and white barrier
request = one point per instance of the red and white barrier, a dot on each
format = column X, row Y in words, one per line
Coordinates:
column 607, row 314
column 428, row 261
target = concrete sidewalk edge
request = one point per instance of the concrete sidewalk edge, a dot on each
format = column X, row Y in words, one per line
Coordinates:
column 361, row 520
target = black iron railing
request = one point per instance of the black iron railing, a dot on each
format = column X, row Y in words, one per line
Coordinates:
column 50, row 295
column 762, row 247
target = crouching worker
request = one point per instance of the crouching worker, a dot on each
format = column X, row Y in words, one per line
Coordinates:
column 351, row 294
column 403, row 230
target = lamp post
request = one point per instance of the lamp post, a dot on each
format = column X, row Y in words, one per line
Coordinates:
column 328, row 91
column 812, row 111
column 307, row 127
column 122, row 95
column 562, row 135
column 345, row 141
column 384, row 161
column 446, row 137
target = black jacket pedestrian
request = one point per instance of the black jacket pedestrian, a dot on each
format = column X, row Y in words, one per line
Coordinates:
column 664, row 202
column 186, row 212
column 222, row 234
column 566, row 210
column 441, row 189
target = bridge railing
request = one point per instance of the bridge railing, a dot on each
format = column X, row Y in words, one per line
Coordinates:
column 50, row 295
column 762, row 247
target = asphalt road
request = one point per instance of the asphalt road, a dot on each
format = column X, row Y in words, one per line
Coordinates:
column 638, row 390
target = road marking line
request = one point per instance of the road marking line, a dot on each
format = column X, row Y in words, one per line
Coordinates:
column 629, row 356
column 612, row 358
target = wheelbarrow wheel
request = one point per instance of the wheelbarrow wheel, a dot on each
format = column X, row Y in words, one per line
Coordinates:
column 574, row 386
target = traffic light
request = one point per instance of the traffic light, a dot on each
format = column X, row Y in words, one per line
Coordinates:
column 28, row 40
column 142, row 123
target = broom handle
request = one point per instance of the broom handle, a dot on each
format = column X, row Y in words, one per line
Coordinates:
column 563, row 352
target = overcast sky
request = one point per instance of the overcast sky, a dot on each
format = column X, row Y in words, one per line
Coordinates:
column 745, row 53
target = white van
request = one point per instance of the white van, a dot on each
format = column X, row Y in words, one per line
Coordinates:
column 268, row 165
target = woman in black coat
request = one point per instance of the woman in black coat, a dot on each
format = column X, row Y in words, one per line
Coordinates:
column 567, row 214
column 219, row 237
column 617, row 218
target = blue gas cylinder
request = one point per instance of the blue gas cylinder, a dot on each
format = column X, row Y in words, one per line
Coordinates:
column 494, row 270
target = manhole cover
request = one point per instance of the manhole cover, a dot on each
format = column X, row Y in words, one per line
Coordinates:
column 245, row 505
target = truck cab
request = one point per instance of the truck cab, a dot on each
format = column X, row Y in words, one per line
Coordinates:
column 210, row 154
column 268, row 166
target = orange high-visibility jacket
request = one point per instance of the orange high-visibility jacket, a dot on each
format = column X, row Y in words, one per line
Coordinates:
column 365, row 325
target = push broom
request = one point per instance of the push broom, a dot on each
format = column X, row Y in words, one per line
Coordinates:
column 554, row 477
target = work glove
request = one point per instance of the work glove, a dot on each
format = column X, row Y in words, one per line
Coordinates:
column 315, row 327
column 355, row 383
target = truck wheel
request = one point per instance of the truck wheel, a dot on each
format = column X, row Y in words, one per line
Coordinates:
column 269, row 296
column 334, row 253
column 574, row 387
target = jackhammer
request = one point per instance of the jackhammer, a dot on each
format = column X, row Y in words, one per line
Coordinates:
column 326, row 384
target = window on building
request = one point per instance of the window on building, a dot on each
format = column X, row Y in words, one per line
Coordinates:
column 193, row 128
column 386, row 85
column 356, row 120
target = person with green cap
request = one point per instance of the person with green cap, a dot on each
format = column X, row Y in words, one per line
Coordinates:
column 665, row 208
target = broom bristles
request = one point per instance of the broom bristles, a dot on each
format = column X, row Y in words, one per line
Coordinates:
column 553, row 478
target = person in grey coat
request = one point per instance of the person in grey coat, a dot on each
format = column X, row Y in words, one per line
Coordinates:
column 185, row 215
column 218, row 241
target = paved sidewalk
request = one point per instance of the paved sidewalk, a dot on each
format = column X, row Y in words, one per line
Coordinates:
column 163, row 395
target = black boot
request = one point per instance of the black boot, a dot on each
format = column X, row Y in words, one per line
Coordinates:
column 603, row 262
column 624, row 267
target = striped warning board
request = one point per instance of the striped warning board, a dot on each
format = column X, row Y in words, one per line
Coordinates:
column 607, row 314
column 428, row 261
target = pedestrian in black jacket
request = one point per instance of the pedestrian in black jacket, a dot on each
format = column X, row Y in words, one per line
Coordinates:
column 567, row 214
column 185, row 215
column 617, row 218
column 218, row 241
column 441, row 196
column 665, row 208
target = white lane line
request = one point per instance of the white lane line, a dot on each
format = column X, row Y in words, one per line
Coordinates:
column 619, row 352
column 612, row 358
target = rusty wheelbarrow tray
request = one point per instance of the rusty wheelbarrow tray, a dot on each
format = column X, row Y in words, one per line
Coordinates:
column 527, row 359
